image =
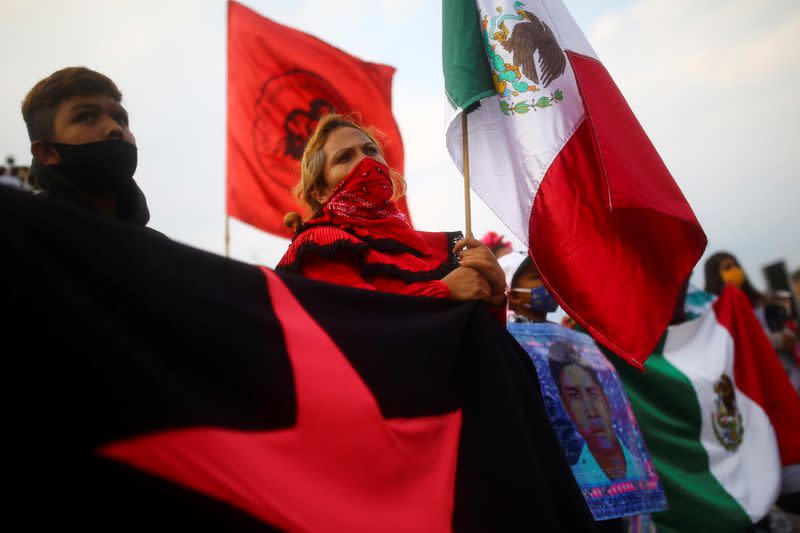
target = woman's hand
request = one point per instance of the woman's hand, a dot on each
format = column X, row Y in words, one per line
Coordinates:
column 468, row 284
column 476, row 255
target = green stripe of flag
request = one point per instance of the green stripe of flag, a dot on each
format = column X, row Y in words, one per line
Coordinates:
column 668, row 412
column 467, row 78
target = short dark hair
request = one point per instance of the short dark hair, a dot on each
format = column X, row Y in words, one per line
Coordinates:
column 796, row 275
column 563, row 354
column 525, row 265
column 41, row 103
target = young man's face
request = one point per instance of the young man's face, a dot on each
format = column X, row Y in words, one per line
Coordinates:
column 92, row 118
column 588, row 408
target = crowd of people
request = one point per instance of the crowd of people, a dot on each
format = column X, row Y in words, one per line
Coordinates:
column 85, row 154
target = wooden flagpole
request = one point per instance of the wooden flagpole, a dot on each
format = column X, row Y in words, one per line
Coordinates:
column 465, row 152
column 227, row 235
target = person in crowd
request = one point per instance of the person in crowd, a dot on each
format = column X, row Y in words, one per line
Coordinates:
column 357, row 236
column 14, row 176
column 528, row 298
column 497, row 244
column 83, row 150
column 673, row 445
column 723, row 268
column 796, row 282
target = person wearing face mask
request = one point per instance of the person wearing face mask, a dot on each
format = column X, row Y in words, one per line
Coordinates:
column 357, row 236
column 528, row 299
column 83, row 150
column 723, row 268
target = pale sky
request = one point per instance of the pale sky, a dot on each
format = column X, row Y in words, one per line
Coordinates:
column 713, row 83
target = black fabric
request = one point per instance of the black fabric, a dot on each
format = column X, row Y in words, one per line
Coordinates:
column 112, row 331
column 102, row 166
column 131, row 202
column 789, row 502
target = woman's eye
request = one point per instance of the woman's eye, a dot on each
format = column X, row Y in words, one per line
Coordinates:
column 344, row 158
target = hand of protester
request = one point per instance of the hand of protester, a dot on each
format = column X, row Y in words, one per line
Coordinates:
column 468, row 284
column 475, row 254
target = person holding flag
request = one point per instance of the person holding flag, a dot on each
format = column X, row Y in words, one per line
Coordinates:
column 719, row 416
column 357, row 236
column 723, row 268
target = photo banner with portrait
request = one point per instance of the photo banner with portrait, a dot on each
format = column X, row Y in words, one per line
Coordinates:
column 593, row 419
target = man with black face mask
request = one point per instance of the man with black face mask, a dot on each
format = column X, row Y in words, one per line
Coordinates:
column 83, row 150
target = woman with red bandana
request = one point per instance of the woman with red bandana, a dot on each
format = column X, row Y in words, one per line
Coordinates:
column 357, row 236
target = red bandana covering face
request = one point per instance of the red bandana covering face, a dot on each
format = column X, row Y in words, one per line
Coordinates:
column 365, row 194
column 362, row 201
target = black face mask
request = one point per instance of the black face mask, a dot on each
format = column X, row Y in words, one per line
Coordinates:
column 103, row 166
column 87, row 169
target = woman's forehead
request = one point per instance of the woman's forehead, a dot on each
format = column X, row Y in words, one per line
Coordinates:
column 345, row 137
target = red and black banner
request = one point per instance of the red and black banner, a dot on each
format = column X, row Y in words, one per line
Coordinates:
column 152, row 386
column 280, row 82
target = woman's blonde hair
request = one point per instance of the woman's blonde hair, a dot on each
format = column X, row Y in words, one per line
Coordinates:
column 312, row 166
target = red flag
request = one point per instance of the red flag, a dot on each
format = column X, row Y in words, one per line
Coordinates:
column 280, row 82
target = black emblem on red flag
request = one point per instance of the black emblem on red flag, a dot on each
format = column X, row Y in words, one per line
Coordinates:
column 288, row 109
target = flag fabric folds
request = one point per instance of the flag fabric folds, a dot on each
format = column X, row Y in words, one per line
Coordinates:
column 719, row 416
column 557, row 154
column 280, row 82
column 160, row 387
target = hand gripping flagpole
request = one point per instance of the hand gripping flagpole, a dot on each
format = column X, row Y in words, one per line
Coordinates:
column 465, row 152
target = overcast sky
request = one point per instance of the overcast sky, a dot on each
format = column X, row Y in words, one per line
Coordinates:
column 714, row 83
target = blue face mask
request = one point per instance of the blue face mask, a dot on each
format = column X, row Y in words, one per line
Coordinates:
column 541, row 300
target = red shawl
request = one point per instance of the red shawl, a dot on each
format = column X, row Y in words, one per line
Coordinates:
column 362, row 239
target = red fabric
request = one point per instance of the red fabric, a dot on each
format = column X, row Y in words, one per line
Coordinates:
column 344, row 271
column 280, row 81
column 372, row 251
column 357, row 257
column 397, row 475
column 363, row 200
column 759, row 373
column 610, row 232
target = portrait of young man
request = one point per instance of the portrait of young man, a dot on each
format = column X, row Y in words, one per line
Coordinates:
column 603, row 457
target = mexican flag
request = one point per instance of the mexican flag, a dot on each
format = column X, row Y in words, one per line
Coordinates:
column 720, row 419
column 558, row 155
